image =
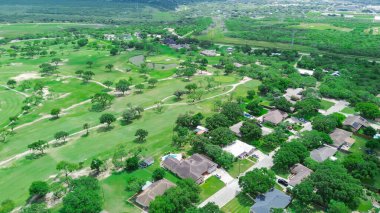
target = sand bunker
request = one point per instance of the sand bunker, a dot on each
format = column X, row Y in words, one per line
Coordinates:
column 27, row 76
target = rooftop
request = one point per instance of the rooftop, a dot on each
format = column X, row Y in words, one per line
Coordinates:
column 239, row 149
column 275, row 116
column 272, row 199
column 356, row 122
column 236, row 128
column 322, row 153
column 299, row 173
column 340, row 137
column 155, row 189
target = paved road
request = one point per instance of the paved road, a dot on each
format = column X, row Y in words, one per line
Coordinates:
column 229, row 192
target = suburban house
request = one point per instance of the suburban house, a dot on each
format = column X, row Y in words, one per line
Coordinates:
column 193, row 167
column 210, row 53
column 109, row 37
column 298, row 173
column 274, row 199
column 239, row 149
column 147, row 162
column 293, row 95
column 356, row 122
column 236, row 128
column 342, row 139
column 152, row 191
column 199, row 130
column 275, row 116
column 322, row 153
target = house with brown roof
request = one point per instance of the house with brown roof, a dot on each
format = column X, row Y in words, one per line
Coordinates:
column 298, row 173
column 275, row 116
column 151, row 192
column 194, row 167
column 356, row 122
column 342, row 139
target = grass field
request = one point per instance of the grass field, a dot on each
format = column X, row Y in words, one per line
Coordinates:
column 321, row 26
column 10, row 105
column 239, row 167
column 209, row 187
column 348, row 110
column 240, row 204
column 326, row 104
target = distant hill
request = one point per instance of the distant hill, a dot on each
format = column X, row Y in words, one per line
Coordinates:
column 163, row 4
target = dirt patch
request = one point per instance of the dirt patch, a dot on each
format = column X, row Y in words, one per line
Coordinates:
column 137, row 60
column 15, row 64
column 45, row 93
column 27, row 76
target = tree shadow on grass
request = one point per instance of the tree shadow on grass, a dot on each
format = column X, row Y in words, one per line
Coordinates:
column 104, row 129
column 34, row 156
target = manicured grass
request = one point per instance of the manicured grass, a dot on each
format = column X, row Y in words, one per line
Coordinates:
column 209, row 187
column 364, row 206
column 326, row 104
column 162, row 59
column 244, row 164
column 348, row 110
column 321, row 26
column 10, row 105
column 240, row 204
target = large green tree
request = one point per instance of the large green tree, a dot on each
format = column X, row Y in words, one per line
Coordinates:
column 257, row 181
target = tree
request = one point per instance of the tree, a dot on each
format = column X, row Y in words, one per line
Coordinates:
column 102, row 100
column 87, row 76
column 152, row 82
column 178, row 94
column 308, row 107
column 251, row 94
column 314, row 139
column 324, row 124
column 282, row 104
column 191, row 87
column 176, row 199
column 257, row 181
column 114, row 51
column 107, row 118
column 158, row 174
column 35, row 208
column 373, row 144
column 109, row 67
column 122, row 85
column 67, row 168
column 362, row 167
column 208, row 208
column 140, row 87
column 55, row 112
column 221, row 136
column 82, row 42
column 56, row 61
column 216, row 121
column 369, row 131
column 38, row 188
column 11, row 83
column 108, row 83
column 89, row 64
column 96, row 164
column 368, row 110
column 141, row 135
column 228, row 68
column 250, row 131
column 61, row 135
column 132, row 163
column 232, row 111
column 254, row 108
column 79, row 73
column 337, row 207
column 288, row 155
column 40, row 145
column 86, row 127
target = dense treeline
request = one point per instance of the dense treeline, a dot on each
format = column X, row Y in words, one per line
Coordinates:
column 337, row 35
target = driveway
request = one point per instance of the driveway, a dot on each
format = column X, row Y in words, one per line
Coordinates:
column 224, row 176
column 339, row 105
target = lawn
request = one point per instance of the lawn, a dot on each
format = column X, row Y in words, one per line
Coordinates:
column 321, row 26
column 210, row 187
column 240, row 204
column 348, row 110
column 364, row 206
column 240, row 166
column 326, row 104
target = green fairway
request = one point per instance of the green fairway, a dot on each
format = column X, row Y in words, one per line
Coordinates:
column 209, row 187
column 240, row 204
column 10, row 105
column 321, row 26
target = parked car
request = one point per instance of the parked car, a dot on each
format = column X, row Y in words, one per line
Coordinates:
column 283, row 182
column 218, row 176
column 255, row 156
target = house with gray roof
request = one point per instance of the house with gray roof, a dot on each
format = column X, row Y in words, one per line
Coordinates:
column 275, row 116
column 236, row 128
column 342, row 139
column 298, row 173
column 194, row 167
column 152, row 191
column 274, row 199
column 356, row 122
column 323, row 153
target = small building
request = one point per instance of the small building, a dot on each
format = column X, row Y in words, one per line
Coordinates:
column 275, row 116
column 239, row 149
column 200, row 130
column 230, row 49
column 274, row 199
column 342, row 139
column 335, row 73
column 147, row 162
column 323, row 153
column 152, row 191
column 194, row 167
column 210, row 53
column 109, row 37
column 356, row 122
column 298, row 173
column 236, row 128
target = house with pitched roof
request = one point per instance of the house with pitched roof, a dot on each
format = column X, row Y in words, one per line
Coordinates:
column 194, row 167
column 152, row 191
column 274, row 199
column 275, row 116
column 298, row 173
column 342, row 139
column 323, row 153
column 239, row 149
column 356, row 122
column 236, row 128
